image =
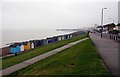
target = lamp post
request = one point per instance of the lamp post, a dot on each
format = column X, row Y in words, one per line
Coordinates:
column 102, row 20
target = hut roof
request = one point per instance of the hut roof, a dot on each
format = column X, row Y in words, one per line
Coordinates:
column 25, row 43
column 99, row 26
column 17, row 43
column 118, row 24
column 111, row 24
column 13, row 45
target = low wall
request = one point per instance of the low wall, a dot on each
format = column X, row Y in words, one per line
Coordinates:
column 4, row 51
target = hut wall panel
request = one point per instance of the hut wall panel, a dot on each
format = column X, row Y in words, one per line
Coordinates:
column 25, row 47
column 32, row 45
column 22, row 48
column 15, row 49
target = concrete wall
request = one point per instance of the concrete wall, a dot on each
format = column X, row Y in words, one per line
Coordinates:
column 4, row 51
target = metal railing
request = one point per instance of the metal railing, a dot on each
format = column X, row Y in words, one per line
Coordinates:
column 114, row 37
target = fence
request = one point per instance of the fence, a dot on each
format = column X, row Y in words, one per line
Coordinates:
column 114, row 37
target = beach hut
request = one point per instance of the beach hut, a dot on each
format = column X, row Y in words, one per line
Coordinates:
column 35, row 43
column 55, row 39
column 59, row 38
column 42, row 43
column 26, row 45
column 74, row 34
column 15, row 48
column 45, row 41
column 50, row 40
column 39, row 43
column 70, row 35
column 21, row 47
column 63, row 37
column 32, row 44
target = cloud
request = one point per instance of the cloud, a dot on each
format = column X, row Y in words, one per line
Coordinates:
column 55, row 14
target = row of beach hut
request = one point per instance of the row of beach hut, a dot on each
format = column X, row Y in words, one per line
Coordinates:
column 17, row 47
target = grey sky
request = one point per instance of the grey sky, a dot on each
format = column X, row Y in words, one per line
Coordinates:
column 54, row 14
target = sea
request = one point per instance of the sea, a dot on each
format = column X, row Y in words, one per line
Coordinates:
column 20, row 35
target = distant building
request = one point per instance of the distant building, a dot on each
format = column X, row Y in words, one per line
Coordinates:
column 117, row 27
column 99, row 27
column 109, row 27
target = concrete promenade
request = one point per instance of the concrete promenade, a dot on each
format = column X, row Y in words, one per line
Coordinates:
column 108, row 50
column 31, row 61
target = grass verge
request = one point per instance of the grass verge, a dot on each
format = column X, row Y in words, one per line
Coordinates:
column 79, row 60
column 9, row 61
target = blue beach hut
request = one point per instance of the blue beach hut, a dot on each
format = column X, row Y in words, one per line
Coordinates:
column 14, row 48
column 38, row 43
column 50, row 40
column 41, row 42
column 55, row 39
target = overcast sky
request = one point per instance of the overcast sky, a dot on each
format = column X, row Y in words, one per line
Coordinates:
column 53, row 14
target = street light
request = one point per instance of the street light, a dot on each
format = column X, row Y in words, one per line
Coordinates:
column 102, row 21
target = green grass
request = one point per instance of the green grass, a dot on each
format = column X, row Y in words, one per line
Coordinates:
column 9, row 61
column 81, row 59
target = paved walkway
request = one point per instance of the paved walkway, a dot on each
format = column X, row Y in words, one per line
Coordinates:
column 108, row 49
column 31, row 61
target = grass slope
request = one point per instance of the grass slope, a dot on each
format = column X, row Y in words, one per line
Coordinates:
column 80, row 59
column 9, row 61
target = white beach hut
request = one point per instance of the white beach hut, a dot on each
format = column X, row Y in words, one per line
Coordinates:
column 22, row 47
column 32, row 45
